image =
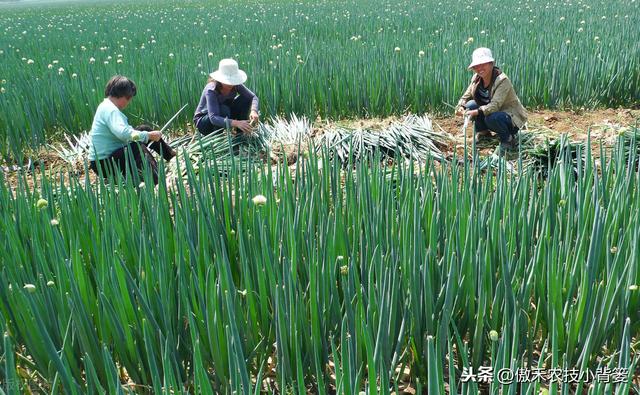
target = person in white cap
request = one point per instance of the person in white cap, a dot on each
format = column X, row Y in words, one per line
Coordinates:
column 491, row 101
column 225, row 101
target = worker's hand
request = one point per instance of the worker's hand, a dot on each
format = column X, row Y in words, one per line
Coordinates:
column 471, row 113
column 254, row 118
column 460, row 111
column 244, row 126
column 155, row 135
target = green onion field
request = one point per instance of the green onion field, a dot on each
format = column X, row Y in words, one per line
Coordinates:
column 351, row 262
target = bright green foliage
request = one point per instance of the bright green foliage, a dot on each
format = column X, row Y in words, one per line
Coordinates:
column 340, row 281
column 330, row 58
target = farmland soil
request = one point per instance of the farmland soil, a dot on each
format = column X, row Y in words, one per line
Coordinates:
column 602, row 125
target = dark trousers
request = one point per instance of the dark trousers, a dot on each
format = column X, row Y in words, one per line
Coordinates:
column 238, row 109
column 499, row 122
column 130, row 161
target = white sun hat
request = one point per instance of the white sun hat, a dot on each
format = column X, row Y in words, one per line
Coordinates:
column 229, row 73
column 481, row 56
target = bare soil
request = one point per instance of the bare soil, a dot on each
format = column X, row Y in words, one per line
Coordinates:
column 575, row 124
column 601, row 125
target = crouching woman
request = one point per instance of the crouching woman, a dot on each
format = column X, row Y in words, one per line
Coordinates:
column 117, row 147
column 491, row 101
column 225, row 102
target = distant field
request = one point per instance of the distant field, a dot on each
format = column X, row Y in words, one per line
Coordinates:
column 330, row 58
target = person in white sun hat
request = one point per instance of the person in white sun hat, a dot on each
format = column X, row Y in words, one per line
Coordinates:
column 225, row 101
column 491, row 101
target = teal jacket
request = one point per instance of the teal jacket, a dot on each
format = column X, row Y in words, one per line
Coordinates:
column 110, row 131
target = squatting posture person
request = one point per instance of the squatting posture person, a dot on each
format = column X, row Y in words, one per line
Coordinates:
column 491, row 101
column 115, row 145
column 225, row 101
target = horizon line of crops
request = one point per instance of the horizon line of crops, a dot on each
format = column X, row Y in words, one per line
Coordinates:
column 328, row 59
column 336, row 279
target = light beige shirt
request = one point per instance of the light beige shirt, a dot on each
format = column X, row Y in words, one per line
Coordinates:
column 503, row 98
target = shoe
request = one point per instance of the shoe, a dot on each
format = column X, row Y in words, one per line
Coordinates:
column 168, row 153
column 508, row 145
column 482, row 135
column 164, row 149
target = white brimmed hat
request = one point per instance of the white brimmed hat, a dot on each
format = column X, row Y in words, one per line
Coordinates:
column 481, row 56
column 229, row 73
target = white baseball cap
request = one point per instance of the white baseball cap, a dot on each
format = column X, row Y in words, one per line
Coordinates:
column 481, row 56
